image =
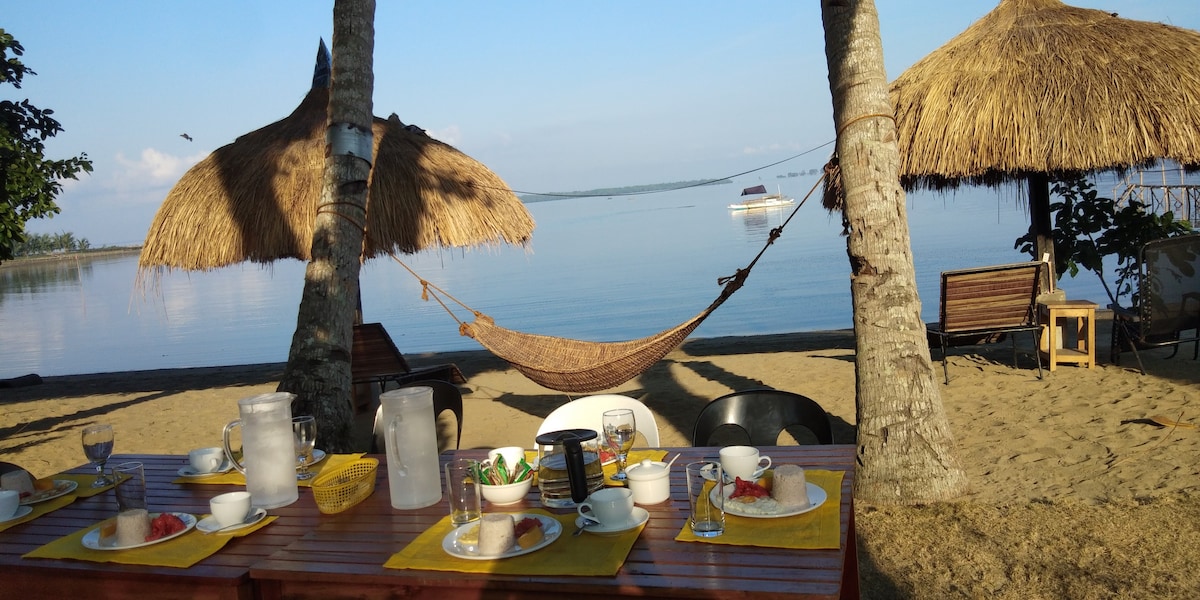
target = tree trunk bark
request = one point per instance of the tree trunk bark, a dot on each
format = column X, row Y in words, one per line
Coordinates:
column 905, row 447
column 318, row 367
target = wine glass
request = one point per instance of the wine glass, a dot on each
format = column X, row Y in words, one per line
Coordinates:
column 619, row 429
column 98, row 446
column 304, row 434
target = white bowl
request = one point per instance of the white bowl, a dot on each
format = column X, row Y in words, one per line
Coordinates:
column 507, row 494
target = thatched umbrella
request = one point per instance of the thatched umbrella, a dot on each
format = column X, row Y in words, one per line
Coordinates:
column 1036, row 88
column 256, row 198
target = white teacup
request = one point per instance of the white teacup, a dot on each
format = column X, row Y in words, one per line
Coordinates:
column 206, row 460
column 10, row 501
column 230, row 508
column 512, row 456
column 610, row 507
column 743, row 461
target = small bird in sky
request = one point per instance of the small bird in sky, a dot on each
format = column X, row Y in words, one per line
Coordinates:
column 185, row 136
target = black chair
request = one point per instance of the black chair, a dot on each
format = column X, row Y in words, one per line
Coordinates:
column 762, row 414
column 446, row 396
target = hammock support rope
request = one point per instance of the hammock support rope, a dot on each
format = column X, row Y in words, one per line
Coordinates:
column 578, row 366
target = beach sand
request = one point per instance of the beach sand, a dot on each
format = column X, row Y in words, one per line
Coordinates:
column 1075, row 493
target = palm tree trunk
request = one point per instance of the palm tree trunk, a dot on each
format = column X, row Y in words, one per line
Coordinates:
column 318, row 367
column 905, row 447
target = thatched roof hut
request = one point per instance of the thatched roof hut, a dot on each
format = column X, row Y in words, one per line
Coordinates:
column 1037, row 87
column 256, row 198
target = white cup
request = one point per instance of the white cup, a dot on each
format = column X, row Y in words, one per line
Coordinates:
column 206, row 460
column 230, row 508
column 610, row 507
column 512, row 456
column 10, row 501
column 743, row 462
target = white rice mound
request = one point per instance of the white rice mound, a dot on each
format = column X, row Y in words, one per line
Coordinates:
column 496, row 534
column 789, row 487
column 133, row 526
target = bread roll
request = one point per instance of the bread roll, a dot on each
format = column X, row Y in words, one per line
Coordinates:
column 133, row 526
column 495, row 534
column 789, row 487
column 21, row 481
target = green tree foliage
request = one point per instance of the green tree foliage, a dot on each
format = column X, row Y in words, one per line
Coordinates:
column 29, row 181
column 37, row 244
column 1088, row 228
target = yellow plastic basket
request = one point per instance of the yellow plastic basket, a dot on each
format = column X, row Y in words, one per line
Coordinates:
column 345, row 486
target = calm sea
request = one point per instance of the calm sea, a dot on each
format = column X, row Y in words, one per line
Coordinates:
column 598, row 269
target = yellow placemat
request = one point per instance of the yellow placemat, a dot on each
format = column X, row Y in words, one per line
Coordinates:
column 181, row 552
column 234, row 478
column 40, row 509
column 818, row 529
column 85, row 489
column 586, row 554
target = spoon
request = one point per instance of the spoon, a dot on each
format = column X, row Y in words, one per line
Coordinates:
column 580, row 525
column 672, row 462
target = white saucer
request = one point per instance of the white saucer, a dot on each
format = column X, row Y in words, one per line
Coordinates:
column 21, row 512
column 189, row 472
column 640, row 515
column 708, row 474
column 209, row 524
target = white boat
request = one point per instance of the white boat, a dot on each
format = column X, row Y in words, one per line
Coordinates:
column 763, row 200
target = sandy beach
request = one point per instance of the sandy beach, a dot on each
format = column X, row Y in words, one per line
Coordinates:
column 1075, row 492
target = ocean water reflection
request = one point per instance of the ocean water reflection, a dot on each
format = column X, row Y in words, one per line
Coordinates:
column 597, row 269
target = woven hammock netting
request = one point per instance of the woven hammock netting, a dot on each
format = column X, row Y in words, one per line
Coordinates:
column 579, row 366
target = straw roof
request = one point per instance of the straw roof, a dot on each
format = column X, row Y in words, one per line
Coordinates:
column 1037, row 86
column 256, row 199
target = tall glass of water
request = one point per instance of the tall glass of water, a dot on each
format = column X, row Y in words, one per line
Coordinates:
column 619, row 430
column 98, row 446
column 304, row 431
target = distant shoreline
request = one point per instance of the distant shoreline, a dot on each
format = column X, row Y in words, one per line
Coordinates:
column 44, row 258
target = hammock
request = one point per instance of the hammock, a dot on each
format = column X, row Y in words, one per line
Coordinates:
column 578, row 366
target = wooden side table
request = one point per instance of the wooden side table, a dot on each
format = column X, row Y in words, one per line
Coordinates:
column 1055, row 314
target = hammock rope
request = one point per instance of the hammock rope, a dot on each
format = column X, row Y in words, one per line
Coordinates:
column 579, row 366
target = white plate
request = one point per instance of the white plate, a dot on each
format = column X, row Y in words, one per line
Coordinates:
column 93, row 541
column 190, row 473
column 61, row 487
column 816, row 497
column 640, row 515
column 318, row 456
column 551, row 529
column 708, row 474
column 209, row 524
column 21, row 512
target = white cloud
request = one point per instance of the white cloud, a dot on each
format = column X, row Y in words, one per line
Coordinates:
column 150, row 169
column 450, row 134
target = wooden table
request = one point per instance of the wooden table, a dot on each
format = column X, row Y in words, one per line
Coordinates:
column 222, row 575
column 344, row 556
column 1053, row 315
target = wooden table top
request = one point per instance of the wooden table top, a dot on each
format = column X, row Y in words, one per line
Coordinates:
column 222, row 575
column 343, row 555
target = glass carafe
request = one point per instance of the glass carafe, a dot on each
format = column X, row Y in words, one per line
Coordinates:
column 412, row 451
column 569, row 467
column 268, row 452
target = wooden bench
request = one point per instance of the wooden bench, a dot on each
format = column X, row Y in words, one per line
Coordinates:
column 981, row 303
column 375, row 359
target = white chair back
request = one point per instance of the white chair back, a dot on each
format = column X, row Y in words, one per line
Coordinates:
column 586, row 413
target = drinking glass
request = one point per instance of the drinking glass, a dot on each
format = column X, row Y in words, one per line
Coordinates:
column 304, row 433
column 706, row 502
column 619, row 429
column 98, row 446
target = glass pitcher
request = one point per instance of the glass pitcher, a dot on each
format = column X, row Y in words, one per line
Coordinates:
column 412, row 451
column 268, row 452
column 569, row 468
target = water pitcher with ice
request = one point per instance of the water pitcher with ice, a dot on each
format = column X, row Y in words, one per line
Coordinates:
column 412, row 451
column 268, row 450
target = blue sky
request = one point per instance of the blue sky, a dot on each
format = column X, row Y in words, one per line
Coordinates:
column 552, row 96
